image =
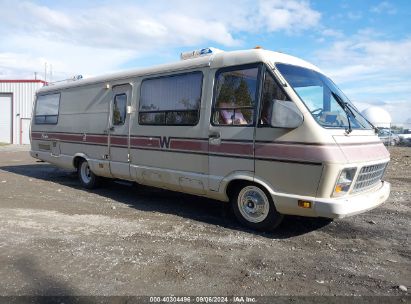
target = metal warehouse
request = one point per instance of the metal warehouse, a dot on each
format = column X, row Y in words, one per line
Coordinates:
column 16, row 101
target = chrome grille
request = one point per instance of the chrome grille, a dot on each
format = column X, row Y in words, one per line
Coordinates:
column 369, row 176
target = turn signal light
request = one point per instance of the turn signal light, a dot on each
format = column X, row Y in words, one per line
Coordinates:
column 304, row 204
column 344, row 181
column 338, row 189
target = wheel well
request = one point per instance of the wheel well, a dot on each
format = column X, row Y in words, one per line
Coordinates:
column 238, row 183
column 77, row 160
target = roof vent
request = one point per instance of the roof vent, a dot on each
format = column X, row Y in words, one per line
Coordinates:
column 77, row 77
column 199, row 53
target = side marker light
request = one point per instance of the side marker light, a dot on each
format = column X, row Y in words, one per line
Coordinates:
column 304, row 204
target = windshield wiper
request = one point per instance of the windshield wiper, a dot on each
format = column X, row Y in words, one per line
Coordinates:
column 345, row 106
column 350, row 106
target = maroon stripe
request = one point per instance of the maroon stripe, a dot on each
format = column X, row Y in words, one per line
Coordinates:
column 299, row 153
column 192, row 145
column 67, row 137
column 35, row 135
column 280, row 151
column 144, row 142
column 245, row 149
column 97, row 139
column 120, row 141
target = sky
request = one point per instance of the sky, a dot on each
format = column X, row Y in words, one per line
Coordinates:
column 364, row 46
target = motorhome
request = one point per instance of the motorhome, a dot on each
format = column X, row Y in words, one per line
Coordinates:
column 268, row 132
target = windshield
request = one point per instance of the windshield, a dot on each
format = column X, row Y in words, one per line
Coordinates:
column 326, row 102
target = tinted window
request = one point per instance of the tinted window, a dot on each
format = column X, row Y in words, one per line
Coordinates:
column 47, row 109
column 271, row 91
column 171, row 100
column 119, row 109
column 236, row 95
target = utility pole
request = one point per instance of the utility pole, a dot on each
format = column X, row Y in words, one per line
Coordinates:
column 45, row 71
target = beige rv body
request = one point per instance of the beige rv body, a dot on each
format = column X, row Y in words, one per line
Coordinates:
column 300, row 164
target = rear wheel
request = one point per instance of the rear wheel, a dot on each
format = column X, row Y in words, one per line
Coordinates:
column 254, row 208
column 87, row 178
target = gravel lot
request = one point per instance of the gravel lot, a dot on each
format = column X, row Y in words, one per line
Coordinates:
column 59, row 239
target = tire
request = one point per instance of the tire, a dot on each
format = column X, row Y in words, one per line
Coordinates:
column 87, row 178
column 254, row 208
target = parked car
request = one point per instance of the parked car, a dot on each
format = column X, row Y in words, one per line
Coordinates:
column 388, row 138
column 405, row 137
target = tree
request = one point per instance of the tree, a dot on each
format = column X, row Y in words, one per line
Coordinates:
column 116, row 115
column 243, row 99
column 226, row 90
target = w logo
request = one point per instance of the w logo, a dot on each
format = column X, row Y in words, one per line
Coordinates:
column 165, row 142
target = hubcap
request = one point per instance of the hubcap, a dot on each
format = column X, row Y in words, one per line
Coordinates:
column 85, row 172
column 253, row 204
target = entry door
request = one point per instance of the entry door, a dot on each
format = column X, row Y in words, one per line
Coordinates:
column 6, row 121
column 231, row 133
column 25, row 131
column 119, row 136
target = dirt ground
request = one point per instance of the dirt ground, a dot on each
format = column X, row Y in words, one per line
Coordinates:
column 59, row 239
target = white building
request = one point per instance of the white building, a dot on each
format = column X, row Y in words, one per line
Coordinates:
column 16, row 102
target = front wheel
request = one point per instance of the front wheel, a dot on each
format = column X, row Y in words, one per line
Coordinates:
column 87, row 178
column 254, row 208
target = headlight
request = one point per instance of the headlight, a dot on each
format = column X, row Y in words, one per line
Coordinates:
column 344, row 181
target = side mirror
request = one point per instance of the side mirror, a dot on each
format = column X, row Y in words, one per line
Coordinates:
column 285, row 114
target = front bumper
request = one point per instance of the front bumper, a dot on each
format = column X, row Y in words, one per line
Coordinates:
column 355, row 204
column 334, row 207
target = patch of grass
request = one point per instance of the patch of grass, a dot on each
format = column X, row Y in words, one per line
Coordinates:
column 3, row 144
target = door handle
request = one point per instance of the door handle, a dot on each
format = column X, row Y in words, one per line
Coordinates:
column 214, row 139
column 214, row 136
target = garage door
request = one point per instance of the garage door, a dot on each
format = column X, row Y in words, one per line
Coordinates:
column 5, row 118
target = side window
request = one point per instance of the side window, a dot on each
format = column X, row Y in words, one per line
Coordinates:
column 47, row 109
column 119, row 109
column 236, row 96
column 271, row 91
column 171, row 100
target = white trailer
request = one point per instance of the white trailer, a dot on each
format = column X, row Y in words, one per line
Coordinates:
column 264, row 130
